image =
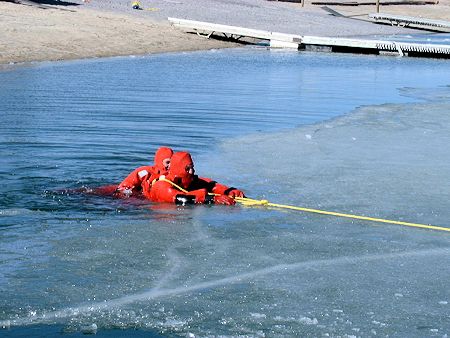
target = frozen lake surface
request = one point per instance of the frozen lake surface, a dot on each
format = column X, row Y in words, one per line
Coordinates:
column 355, row 134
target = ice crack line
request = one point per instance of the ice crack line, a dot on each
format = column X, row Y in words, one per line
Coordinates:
column 160, row 293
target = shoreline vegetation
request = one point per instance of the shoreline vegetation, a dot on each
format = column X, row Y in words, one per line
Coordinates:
column 100, row 28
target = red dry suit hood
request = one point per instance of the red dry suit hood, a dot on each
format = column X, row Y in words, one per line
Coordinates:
column 177, row 171
column 160, row 155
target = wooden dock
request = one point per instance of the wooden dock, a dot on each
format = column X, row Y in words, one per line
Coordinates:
column 405, row 21
column 303, row 42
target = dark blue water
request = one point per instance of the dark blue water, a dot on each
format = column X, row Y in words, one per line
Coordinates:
column 122, row 109
column 72, row 260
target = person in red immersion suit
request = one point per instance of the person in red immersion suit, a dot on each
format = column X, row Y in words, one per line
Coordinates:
column 196, row 189
column 140, row 179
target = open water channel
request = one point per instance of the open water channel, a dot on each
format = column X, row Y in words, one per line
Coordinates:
column 357, row 134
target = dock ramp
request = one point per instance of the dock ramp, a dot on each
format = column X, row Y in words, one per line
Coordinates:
column 236, row 33
column 304, row 42
column 405, row 21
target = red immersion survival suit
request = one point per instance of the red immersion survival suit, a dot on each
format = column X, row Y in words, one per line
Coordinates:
column 181, row 173
column 140, row 179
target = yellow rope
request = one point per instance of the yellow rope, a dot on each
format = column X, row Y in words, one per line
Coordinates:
column 252, row 202
column 177, row 186
column 162, row 178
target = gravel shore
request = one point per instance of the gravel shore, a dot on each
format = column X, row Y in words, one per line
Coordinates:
column 99, row 28
column 277, row 16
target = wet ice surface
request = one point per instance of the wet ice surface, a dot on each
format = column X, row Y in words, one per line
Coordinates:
column 388, row 161
column 233, row 271
column 394, row 157
column 82, row 262
column 275, row 274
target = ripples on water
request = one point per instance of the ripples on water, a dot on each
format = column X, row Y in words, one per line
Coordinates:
column 81, row 259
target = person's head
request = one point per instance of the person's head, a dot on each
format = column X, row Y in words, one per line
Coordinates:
column 162, row 158
column 181, row 169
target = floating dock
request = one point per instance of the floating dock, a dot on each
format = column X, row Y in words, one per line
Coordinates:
column 405, row 21
column 304, row 42
column 374, row 3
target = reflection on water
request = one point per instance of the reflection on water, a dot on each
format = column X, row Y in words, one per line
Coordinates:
column 76, row 260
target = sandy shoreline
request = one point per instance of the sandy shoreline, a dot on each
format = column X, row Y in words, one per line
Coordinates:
column 53, row 34
column 104, row 28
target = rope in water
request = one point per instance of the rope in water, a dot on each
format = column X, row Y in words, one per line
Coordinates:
column 252, row 202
